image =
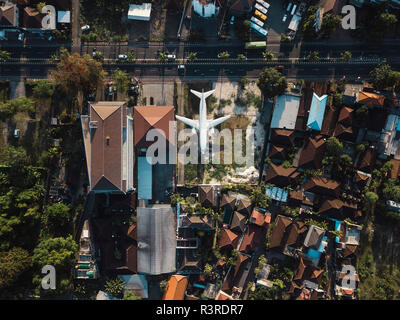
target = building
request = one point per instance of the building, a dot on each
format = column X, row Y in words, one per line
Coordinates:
column 154, row 127
column 176, row 288
column 32, row 18
column 108, row 139
column 323, row 186
column 140, row 12
column 285, row 112
column 281, row 176
column 156, row 240
column 207, row 8
column 9, row 15
column 370, row 99
column 317, row 112
column 312, row 153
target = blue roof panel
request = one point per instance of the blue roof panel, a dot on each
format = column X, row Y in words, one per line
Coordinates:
column 317, row 111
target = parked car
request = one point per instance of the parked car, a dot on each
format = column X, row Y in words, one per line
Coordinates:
column 171, row 57
column 85, row 28
column 16, row 133
column 284, row 18
column 260, row 15
column 232, row 20
column 122, row 57
column 261, row 8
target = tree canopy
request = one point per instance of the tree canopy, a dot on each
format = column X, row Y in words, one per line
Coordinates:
column 271, row 82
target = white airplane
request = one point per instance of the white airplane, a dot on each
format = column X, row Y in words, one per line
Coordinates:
column 202, row 125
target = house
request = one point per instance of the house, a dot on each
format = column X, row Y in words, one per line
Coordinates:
column 277, row 241
column 282, row 137
column 207, row 8
column 317, row 111
column 156, row 239
column 295, row 235
column 228, row 202
column 343, row 133
column 107, row 135
column 281, row 176
column 252, row 238
column 350, row 233
column 298, row 198
column 9, row 15
column 367, row 162
column 259, row 218
column 314, row 237
column 277, row 194
column 312, row 153
column 238, row 222
column 190, row 264
column 395, row 172
column 285, row 112
column 322, row 186
column 176, row 288
column 277, row 153
column 139, row 12
column 346, row 116
column 338, row 209
column 370, row 99
column 197, row 222
column 240, row 8
column 237, row 276
column 155, row 170
column 228, row 239
column 208, row 196
column 119, row 252
column 136, row 283
column 244, row 206
column 32, row 18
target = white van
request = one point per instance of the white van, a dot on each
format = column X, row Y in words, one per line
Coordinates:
column 289, row 7
column 294, row 9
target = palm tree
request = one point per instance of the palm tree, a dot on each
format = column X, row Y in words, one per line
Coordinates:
column 192, row 56
column 162, row 57
column 224, row 55
column 241, row 57
column 268, row 55
column 130, row 57
column 345, row 56
column 313, row 56
column 5, row 56
column 98, row 56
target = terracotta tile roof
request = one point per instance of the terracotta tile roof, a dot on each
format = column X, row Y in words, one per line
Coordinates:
column 252, row 238
column 346, row 116
column 259, row 218
column 350, row 249
column 322, row 185
column 207, row 196
column 238, row 222
column 176, row 288
column 276, row 152
column 296, row 233
column 370, row 99
column 368, row 160
column 395, row 172
column 312, row 153
column 280, row 176
column 282, row 137
column 297, row 197
column 103, row 145
column 228, row 201
column 343, row 133
column 152, row 117
column 278, row 232
column 7, row 15
column 228, row 238
column 244, row 206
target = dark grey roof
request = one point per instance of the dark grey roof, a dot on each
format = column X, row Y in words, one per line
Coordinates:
column 156, row 240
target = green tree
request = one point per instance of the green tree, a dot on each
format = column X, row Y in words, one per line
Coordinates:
column 208, row 269
column 271, row 82
column 345, row 56
column 370, row 200
column 162, row 57
column 129, row 295
column 121, row 79
column 58, row 252
column 309, row 32
column 13, row 264
column 241, row 57
column 115, row 287
column 56, row 216
column 192, row 56
column 98, row 56
column 242, row 29
column 313, row 56
column 40, row 6
column 43, row 89
column 259, row 198
column 334, row 147
column 5, row 56
column 130, row 57
column 383, row 77
column 387, row 20
column 224, row 55
column 268, row 55
column 329, row 24
column 362, row 115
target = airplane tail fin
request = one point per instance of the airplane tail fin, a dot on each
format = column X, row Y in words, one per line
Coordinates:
column 201, row 95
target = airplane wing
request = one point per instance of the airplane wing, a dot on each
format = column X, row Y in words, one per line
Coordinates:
column 202, row 94
column 213, row 123
column 189, row 122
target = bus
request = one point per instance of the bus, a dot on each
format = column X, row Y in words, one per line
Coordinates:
column 255, row 20
column 256, row 45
